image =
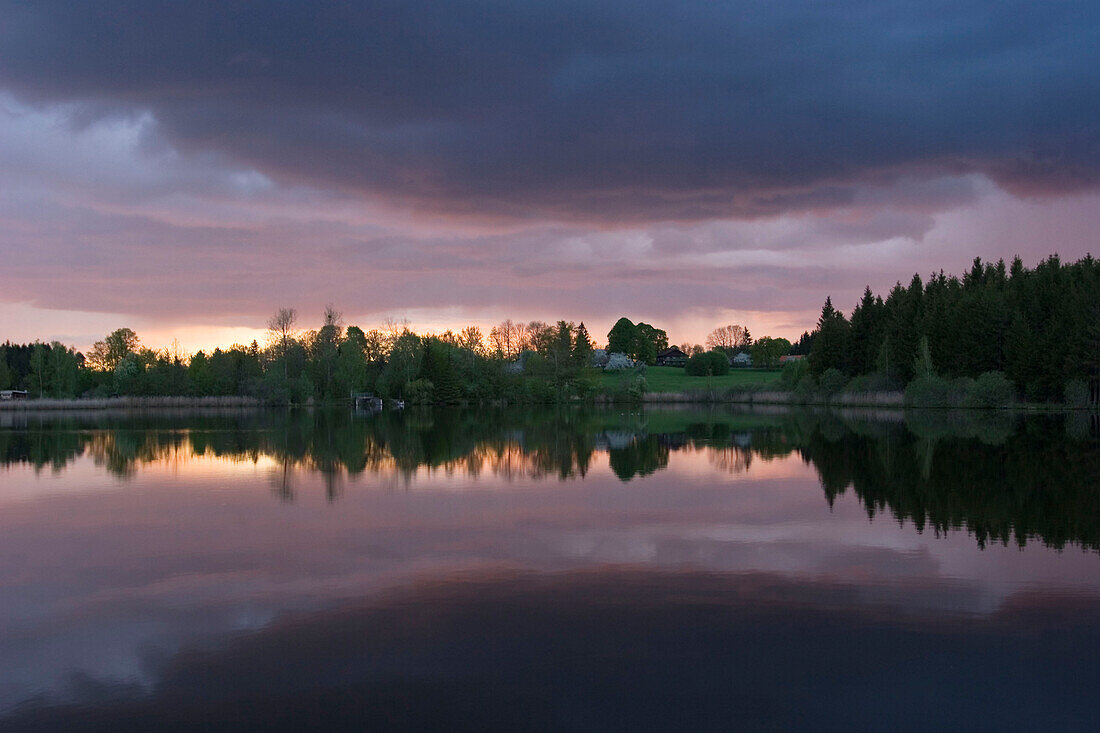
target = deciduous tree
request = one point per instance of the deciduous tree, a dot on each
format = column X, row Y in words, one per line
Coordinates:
column 107, row 354
column 282, row 332
column 729, row 338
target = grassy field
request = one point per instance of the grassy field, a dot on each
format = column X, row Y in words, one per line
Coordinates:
column 675, row 379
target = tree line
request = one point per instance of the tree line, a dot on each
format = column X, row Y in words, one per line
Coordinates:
column 1037, row 329
column 327, row 364
column 997, row 332
column 519, row 362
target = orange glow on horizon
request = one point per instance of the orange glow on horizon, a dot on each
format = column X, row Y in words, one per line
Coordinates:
column 692, row 328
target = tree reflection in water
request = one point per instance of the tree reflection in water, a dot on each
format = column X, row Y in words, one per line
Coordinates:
column 1001, row 477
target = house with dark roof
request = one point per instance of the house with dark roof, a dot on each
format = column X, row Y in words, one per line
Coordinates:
column 672, row 356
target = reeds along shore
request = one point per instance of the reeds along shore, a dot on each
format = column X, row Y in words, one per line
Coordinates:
column 883, row 399
column 113, row 403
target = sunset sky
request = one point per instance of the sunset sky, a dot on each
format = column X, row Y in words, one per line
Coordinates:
column 186, row 168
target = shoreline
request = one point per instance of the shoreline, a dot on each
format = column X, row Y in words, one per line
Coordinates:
column 115, row 403
column 876, row 400
column 771, row 398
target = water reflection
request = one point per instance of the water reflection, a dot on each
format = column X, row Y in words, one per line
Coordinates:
column 617, row 650
column 998, row 476
column 575, row 569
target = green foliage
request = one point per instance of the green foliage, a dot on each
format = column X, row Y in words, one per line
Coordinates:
column 676, row 379
column 650, row 342
column 882, row 361
column 351, row 373
column 622, row 337
column 200, row 375
column 640, row 342
column 874, row 382
column 582, row 347
column 832, row 381
column 990, row 390
column 302, row 390
column 107, row 354
column 766, row 351
column 830, row 349
column 708, row 364
column 37, row 376
column 644, row 351
column 937, row 392
column 438, row 370
column 323, row 348
column 806, row 388
column 43, row 370
column 793, row 373
column 1077, row 393
column 420, row 391
column 402, row 366
column 922, row 366
column 276, row 388
column 562, row 358
column 867, row 325
column 1040, row 327
column 627, row 385
column 128, row 374
column 805, row 343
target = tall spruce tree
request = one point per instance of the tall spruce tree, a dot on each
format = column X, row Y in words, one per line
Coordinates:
column 582, row 347
column 831, row 347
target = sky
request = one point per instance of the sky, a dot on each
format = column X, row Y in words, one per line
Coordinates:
column 185, row 169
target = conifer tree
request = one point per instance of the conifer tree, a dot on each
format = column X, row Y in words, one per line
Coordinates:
column 830, row 349
column 582, row 347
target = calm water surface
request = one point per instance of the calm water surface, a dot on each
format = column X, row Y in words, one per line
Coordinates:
column 549, row 570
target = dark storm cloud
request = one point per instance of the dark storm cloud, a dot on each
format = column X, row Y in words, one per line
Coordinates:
column 599, row 111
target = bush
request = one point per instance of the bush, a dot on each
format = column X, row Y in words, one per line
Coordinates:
column 832, row 381
column 805, row 389
column 419, row 391
column 793, row 372
column 710, row 363
column 936, row 392
column 537, row 391
column 618, row 361
column 871, row 383
column 1077, row 393
column 301, row 390
column 991, row 390
column 627, row 386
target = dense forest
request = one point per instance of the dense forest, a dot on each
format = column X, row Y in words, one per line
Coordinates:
column 1038, row 328
column 998, row 334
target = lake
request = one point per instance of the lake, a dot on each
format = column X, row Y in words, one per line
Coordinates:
column 570, row 569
